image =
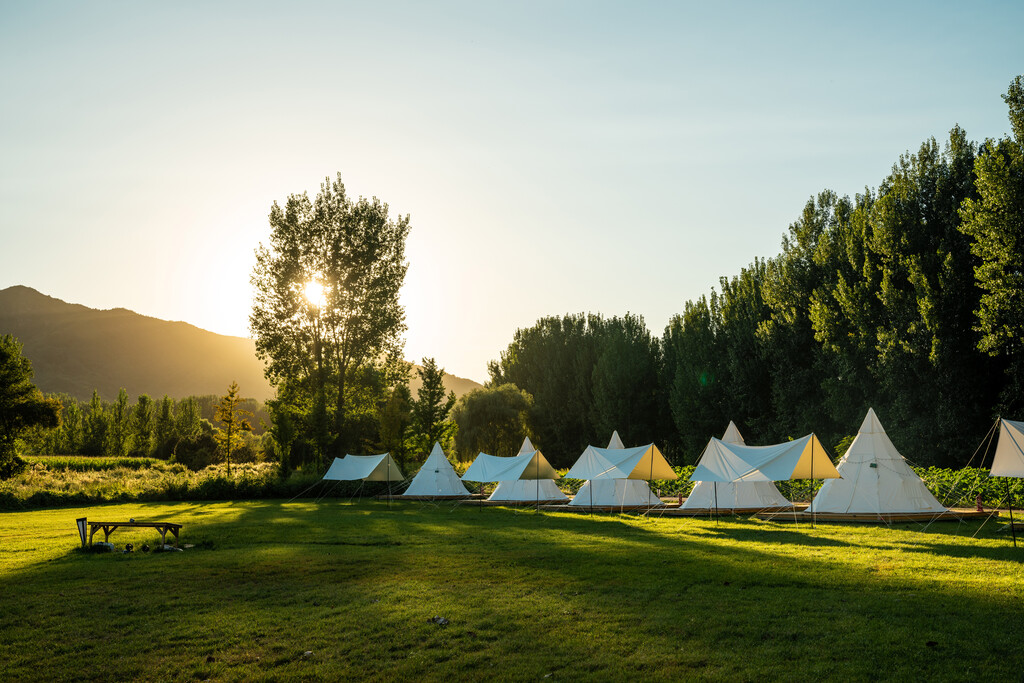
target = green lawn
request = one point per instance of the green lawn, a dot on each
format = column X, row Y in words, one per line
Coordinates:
column 528, row 597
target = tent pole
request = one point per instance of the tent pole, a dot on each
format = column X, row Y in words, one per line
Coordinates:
column 650, row 502
column 389, row 481
column 1009, row 503
column 714, row 486
column 591, row 487
column 537, row 472
column 813, row 439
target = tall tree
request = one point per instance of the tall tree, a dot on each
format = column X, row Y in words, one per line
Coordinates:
column 431, row 410
column 22, row 405
column 625, row 382
column 119, row 432
column 995, row 222
column 491, row 420
column 326, row 305
column 142, row 426
column 235, row 422
column 96, row 425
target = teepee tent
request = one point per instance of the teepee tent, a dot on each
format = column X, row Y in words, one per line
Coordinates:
column 875, row 478
column 437, row 479
column 741, row 495
column 528, row 466
column 617, row 476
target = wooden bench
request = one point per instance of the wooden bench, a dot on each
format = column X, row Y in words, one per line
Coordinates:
column 162, row 527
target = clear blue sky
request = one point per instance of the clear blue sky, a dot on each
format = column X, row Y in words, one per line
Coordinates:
column 554, row 156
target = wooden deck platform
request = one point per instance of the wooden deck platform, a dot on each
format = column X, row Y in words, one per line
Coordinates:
column 951, row 515
column 586, row 509
column 734, row 512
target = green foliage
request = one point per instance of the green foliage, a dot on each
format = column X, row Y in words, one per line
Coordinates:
column 326, row 315
column 22, row 405
column 585, row 373
column 235, row 424
column 994, row 220
column 493, row 419
column 430, row 411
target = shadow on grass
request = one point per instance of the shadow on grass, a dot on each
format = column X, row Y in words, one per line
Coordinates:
column 586, row 597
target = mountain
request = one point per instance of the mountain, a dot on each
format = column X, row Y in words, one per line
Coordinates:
column 75, row 349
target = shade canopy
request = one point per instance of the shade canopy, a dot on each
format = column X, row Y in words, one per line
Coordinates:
column 875, row 478
column 641, row 462
column 526, row 465
column 365, row 467
column 799, row 459
column 707, row 495
column 437, row 477
column 1009, row 459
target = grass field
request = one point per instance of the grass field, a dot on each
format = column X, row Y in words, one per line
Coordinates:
column 527, row 596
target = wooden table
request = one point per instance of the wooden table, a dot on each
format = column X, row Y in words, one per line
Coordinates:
column 162, row 527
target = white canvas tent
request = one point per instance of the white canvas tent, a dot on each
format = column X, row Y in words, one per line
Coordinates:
column 742, row 495
column 617, row 476
column 1009, row 458
column 875, row 478
column 526, row 473
column 365, row 467
column 437, row 479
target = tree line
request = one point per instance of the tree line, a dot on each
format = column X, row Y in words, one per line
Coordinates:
column 908, row 298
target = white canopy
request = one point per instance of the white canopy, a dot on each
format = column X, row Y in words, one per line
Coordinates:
column 734, row 495
column 1009, row 459
column 436, row 478
column 366, row 467
column 642, row 462
column 529, row 464
column 876, row 478
column 799, row 459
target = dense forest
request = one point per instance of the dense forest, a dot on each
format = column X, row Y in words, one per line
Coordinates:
column 908, row 298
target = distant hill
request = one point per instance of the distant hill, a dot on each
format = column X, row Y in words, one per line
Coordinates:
column 75, row 349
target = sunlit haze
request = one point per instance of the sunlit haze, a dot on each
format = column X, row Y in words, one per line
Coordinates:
column 554, row 157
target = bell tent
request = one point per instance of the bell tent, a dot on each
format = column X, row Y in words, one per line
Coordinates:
column 875, row 479
column 742, row 495
column 1009, row 460
column 617, row 476
column 527, row 472
column 436, row 479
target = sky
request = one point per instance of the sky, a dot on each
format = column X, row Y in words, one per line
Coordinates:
column 554, row 157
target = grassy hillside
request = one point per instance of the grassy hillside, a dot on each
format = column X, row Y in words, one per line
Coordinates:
column 337, row 591
column 75, row 349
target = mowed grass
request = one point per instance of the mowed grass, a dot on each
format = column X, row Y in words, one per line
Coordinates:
column 528, row 597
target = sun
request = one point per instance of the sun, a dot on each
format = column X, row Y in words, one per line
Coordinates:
column 314, row 293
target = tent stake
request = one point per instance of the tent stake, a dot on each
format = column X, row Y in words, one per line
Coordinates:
column 1009, row 503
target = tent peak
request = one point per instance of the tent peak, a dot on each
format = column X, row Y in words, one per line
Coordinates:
column 615, row 442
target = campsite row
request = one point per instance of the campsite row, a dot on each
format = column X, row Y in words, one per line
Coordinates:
column 872, row 478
